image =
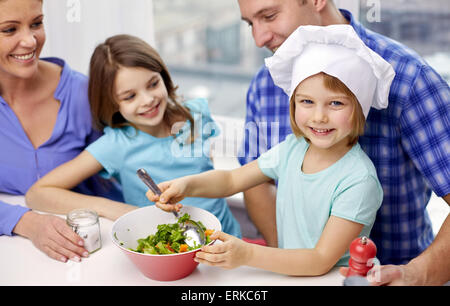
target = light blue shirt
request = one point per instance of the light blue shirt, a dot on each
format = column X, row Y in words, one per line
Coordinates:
column 122, row 151
column 348, row 189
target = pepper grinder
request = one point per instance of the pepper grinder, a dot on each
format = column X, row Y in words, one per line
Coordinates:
column 362, row 253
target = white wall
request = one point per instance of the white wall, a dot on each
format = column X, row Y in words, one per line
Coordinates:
column 75, row 27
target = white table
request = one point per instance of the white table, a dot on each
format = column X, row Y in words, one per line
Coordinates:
column 21, row 263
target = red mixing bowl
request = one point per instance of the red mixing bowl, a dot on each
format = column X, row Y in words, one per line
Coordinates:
column 142, row 222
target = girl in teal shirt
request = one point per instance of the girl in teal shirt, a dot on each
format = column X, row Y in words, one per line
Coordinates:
column 133, row 101
column 328, row 191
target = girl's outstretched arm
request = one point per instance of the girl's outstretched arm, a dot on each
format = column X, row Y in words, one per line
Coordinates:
column 224, row 183
column 210, row 184
column 52, row 192
column 233, row 252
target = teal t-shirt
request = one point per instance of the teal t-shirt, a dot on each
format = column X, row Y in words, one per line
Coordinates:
column 122, row 151
column 348, row 189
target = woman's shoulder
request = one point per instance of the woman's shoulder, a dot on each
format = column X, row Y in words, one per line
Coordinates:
column 49, row 78
column 62, row 67
column 69, row 79
column 52, row 67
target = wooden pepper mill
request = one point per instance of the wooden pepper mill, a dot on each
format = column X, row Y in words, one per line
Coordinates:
column 362, row 253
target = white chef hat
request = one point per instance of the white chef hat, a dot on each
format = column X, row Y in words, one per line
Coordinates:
column 338, row 51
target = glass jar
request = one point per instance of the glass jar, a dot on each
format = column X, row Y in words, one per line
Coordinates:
column 85, row 223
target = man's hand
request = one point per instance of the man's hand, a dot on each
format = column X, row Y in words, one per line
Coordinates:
column 390, row 275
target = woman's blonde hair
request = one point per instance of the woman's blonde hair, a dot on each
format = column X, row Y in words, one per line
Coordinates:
column 127, row 51
column 357, row 117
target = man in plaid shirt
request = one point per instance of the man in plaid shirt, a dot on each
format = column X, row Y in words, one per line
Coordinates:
column 409, row 142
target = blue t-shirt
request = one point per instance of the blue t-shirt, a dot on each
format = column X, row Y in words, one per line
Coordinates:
column 122, row 151
column 348, row 189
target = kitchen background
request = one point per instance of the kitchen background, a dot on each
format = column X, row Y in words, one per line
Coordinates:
column 210, row 51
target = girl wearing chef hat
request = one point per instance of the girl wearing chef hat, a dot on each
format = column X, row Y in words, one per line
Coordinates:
column 328, row 191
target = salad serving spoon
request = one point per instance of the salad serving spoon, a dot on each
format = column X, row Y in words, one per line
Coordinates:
column 192, row 231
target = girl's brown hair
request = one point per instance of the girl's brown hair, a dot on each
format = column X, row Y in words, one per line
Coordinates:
column 357, row 117
column 127, row 51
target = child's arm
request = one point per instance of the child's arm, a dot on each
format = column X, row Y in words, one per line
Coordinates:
column 333, row 243
column 52, row 192
column 224, row 183
column 210, row 184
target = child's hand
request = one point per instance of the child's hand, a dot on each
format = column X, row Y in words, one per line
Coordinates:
column 232, row 253
column 171, row 195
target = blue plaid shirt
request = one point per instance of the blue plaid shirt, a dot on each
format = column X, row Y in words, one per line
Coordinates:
column 409, row 143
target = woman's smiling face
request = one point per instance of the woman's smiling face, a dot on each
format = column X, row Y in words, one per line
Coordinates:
column 22, row 37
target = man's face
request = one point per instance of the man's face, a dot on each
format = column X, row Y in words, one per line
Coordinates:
column 272, row 21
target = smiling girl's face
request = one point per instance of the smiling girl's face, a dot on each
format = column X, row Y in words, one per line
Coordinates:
column 322, row 115
column 22, row 37
column 142, row 98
